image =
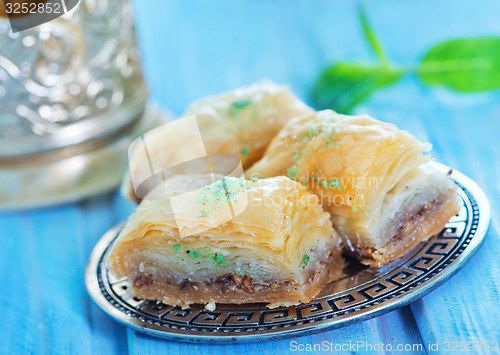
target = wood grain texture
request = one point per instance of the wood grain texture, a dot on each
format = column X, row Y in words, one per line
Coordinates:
column 45, row 305
column 194, row 48
column 397, row 327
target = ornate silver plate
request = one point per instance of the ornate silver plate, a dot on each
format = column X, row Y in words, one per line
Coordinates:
column 366, row 294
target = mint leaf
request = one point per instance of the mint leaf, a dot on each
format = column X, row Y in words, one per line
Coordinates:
column 371, row 38
column 344, row 85
column 465, row 65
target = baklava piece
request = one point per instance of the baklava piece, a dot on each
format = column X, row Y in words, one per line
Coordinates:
column 244, row 121
column 373, row 178
column 279, row 249
column 241, row 122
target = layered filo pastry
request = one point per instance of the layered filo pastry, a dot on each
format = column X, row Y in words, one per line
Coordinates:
column 278, row 245
column 245, row 120
column 241, row 122
column 371, row 177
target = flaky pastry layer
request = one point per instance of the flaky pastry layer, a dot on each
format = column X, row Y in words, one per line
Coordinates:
column 241, row 122
column 370, row 176
column 239, row 289
column 282, row 244
column 245, row 120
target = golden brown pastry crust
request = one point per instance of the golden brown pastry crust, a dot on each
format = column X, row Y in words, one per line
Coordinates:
column 244, row 121
column 411, row 228
column 282, row 245
column 349, row 161
column 354, row 164
column 241, row 122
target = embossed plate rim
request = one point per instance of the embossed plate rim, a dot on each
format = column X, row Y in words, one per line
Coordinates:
column 475, row 229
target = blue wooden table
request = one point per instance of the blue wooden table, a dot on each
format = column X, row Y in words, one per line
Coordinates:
column 194, row 48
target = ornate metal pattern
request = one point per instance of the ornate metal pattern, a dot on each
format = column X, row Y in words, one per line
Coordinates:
column 70, row 80
column 366, row 294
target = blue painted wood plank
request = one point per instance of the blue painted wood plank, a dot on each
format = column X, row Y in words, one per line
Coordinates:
column 385, row 332
column 107, row 336
column 467, row 300
column 45, row 304
column 463, row 131
column 463, row 137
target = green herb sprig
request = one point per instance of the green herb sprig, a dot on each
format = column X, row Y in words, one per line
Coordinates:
column 465, row 65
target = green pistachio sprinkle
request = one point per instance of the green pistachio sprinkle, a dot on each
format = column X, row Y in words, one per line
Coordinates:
column 241, row 272
column 305, row 138
column 241, row 104
column 220, row 260
column 237, row 106
column 305, row 260
column 292, row 172
column 177, row 247
column 244, row 151
column 336, row 183
column 212, row 197
column 266, row 218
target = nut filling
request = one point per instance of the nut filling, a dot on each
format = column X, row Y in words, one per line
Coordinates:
column 412, row 229
column 234, row 287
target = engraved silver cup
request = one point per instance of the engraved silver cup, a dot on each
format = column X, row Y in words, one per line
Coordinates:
column 72, row 97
